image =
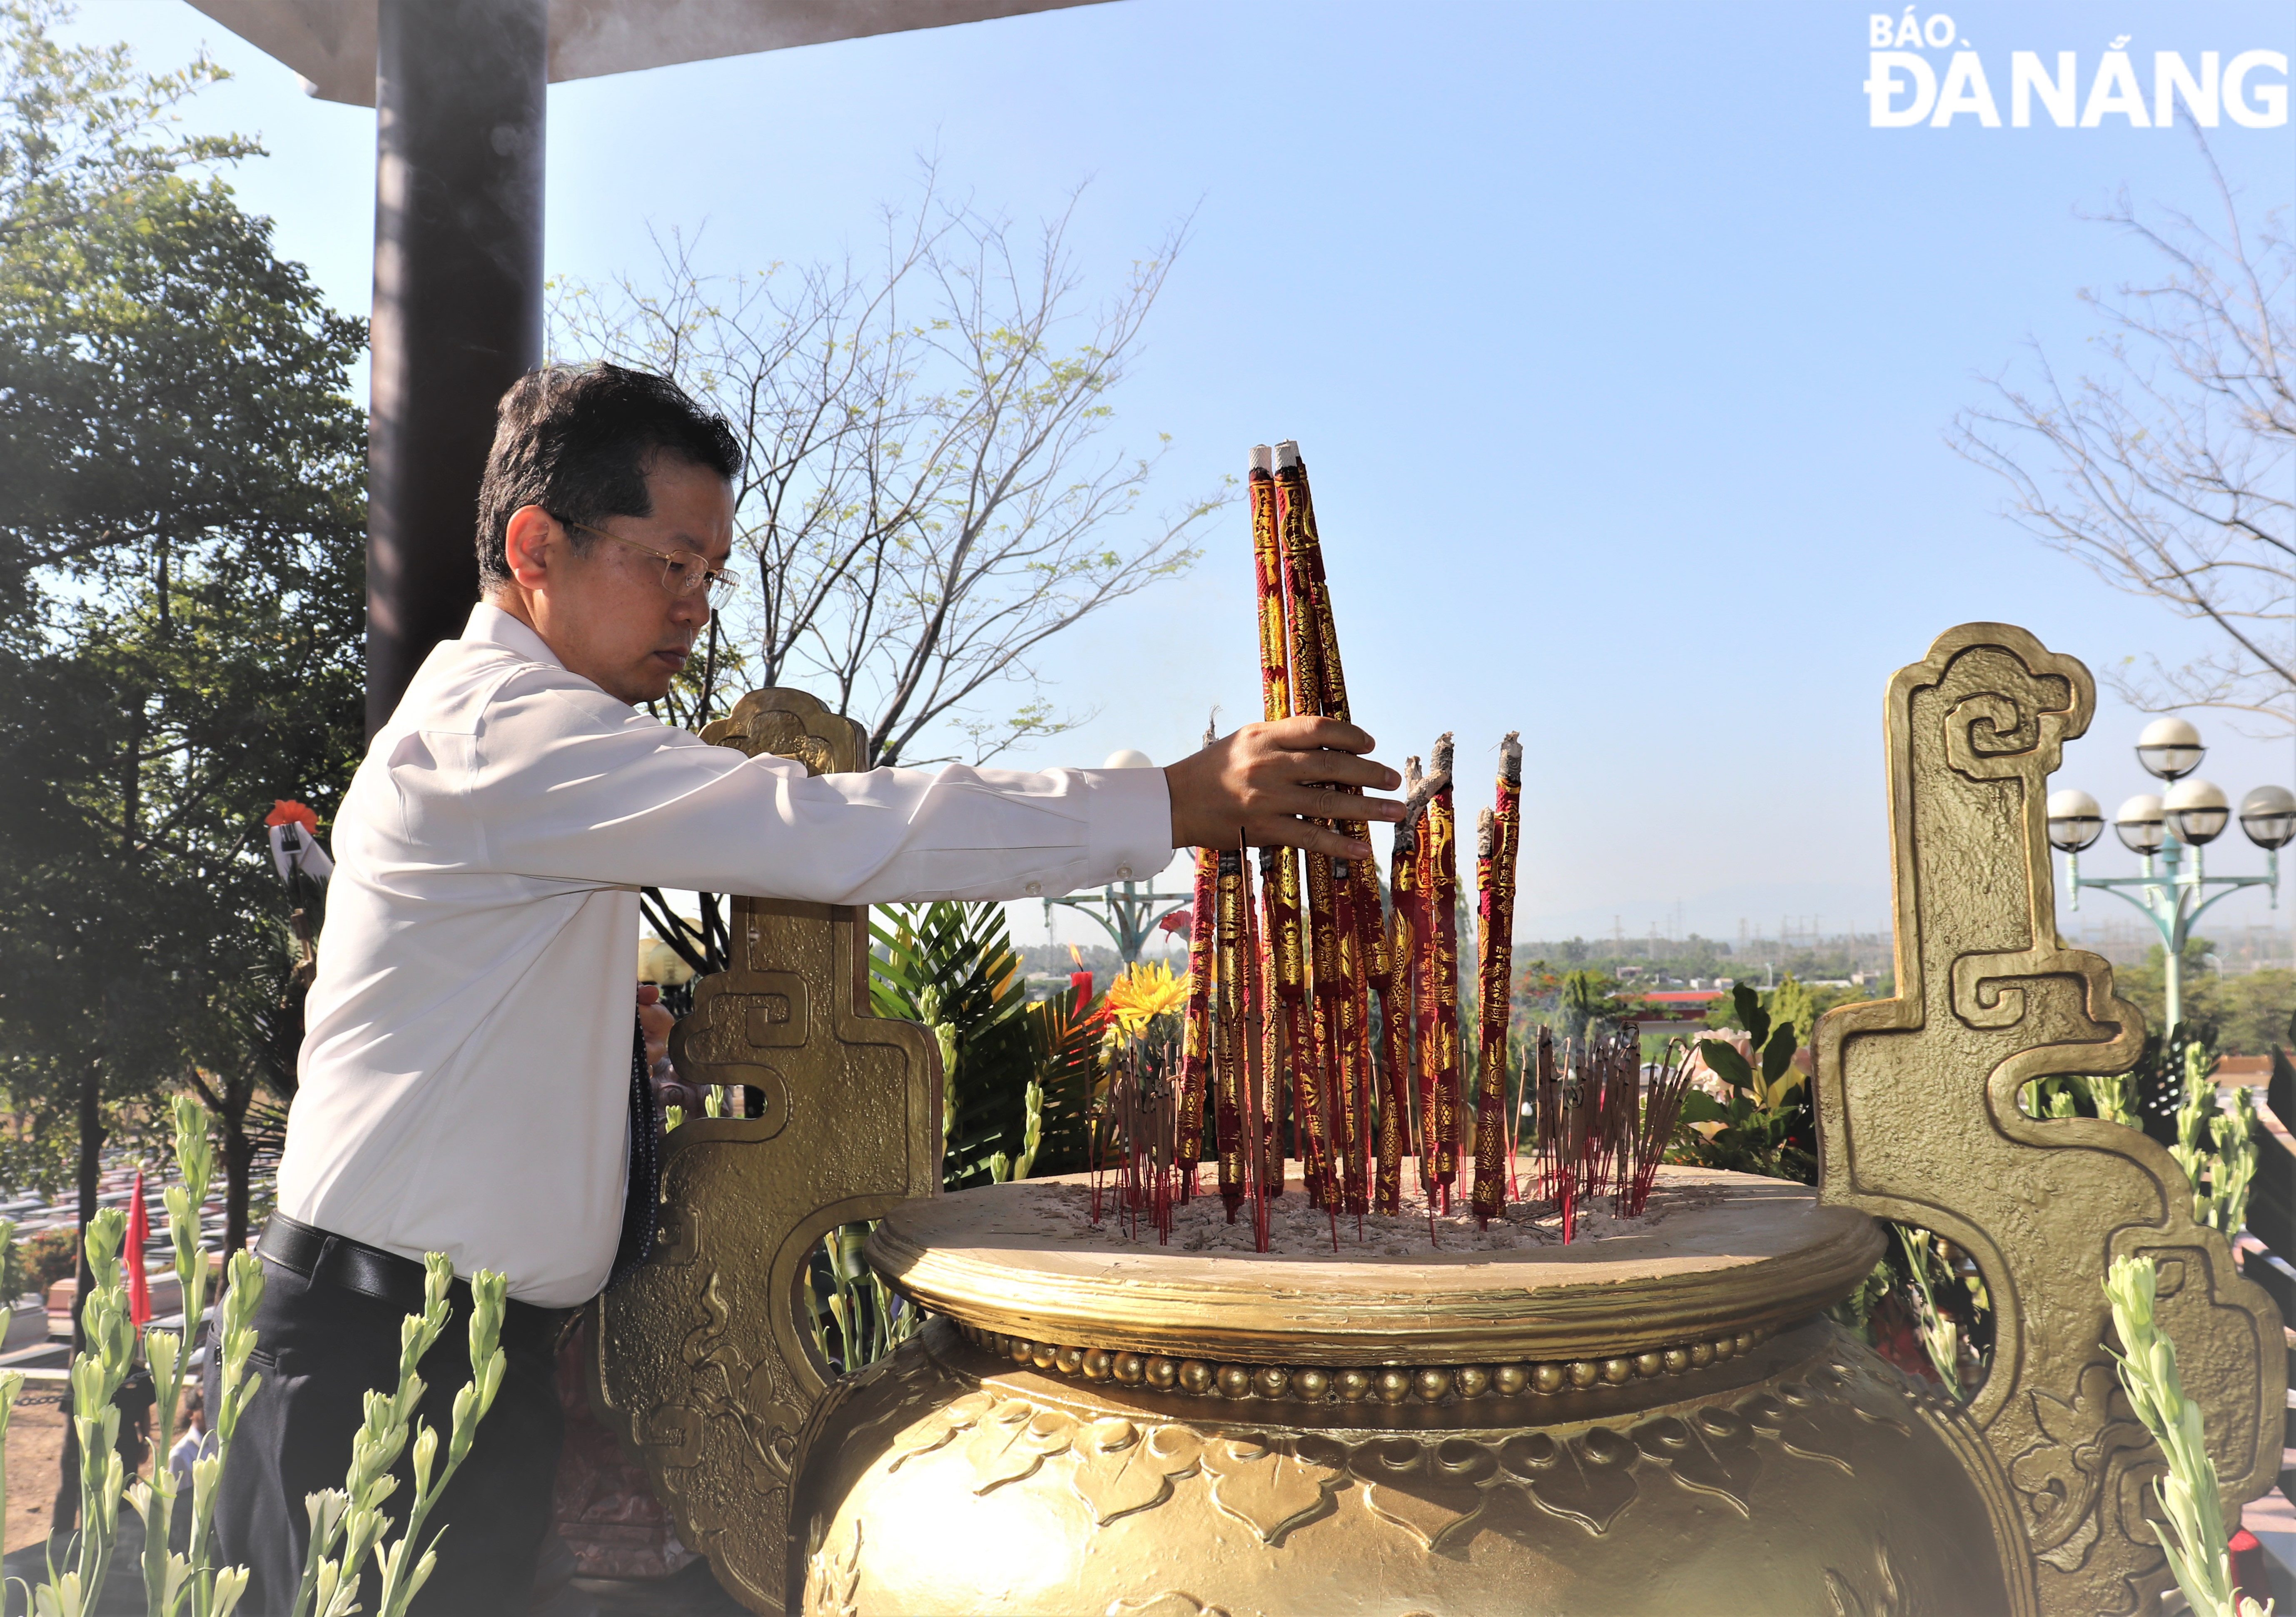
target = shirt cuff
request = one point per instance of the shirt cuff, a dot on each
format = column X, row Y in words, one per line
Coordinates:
column 1129, row 837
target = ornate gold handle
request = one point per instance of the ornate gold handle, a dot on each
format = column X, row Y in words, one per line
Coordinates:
column 703, row 1365
column 1919, row 1120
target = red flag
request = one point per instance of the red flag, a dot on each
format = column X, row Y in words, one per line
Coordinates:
column 139, row 1231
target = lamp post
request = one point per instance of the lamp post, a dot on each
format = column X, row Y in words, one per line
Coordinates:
column 2193, row 813
column 1128, row 920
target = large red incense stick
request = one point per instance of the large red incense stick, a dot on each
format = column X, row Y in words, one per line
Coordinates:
column 1317, row 1090
column 1443, row 964
column 1426, row 1008
column 1394, row 989
column 1275, row 694
column 1257, row 1138
column 1282, row 964
column 1496, row 840
column 1348, row 1141
column 1294, row 1078
column 1408, row 927
column 1319, row 687
column 1228, row 1075
column 1196, row 1031
column 1271, row 1009
column 1313, row 1086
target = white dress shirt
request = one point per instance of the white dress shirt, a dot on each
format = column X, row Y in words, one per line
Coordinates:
column 465, row 1075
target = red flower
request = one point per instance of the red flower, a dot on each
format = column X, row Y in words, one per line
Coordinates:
column 284, row 812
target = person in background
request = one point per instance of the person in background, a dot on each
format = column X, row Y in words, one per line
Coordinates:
column 196, row 1441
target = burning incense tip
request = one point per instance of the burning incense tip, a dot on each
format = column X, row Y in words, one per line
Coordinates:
column 1287, row 455
column 1442, row 757
column 1486, row 830
column 1511, row 757
column 1263, row 458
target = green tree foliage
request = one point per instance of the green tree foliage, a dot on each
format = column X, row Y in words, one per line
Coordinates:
column 81, row 128
column 952, row 967
column 2246, row 1014
column 1571, row 1002
column 1764, row 1122
column 1792, row 1001
column 181, row 597
column 929, row 495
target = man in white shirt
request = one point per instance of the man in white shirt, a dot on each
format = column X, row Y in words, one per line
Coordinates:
column 466, row 1074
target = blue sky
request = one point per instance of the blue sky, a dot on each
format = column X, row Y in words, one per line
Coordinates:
column 1620, row 347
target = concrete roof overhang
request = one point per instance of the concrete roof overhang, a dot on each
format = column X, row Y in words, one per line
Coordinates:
column 332, row 43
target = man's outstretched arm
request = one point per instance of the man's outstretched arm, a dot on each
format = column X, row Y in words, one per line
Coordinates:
column 567, row 784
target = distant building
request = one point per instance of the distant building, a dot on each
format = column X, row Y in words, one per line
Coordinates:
column 1678, row 1005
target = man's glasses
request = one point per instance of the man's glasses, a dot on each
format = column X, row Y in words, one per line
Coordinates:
column 683, row 572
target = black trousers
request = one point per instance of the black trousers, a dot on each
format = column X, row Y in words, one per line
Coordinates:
column 319, row 1348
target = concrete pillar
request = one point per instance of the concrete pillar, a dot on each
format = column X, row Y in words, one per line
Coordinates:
column 459, row 98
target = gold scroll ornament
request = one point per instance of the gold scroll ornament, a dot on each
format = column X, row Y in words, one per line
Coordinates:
column 702, row 1366
column 1919, row 1119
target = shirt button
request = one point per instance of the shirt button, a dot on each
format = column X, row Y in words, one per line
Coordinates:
column 1035, row 889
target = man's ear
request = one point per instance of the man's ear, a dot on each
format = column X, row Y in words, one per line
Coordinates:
column 529, row 545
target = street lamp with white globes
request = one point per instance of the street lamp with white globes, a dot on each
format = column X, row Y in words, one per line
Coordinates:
column 2190, row 814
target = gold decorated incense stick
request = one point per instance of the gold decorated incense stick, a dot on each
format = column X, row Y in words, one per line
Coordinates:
column 1316, row 1079
column 1281, row 945
column 1228, row 1032
column 1257, row 1138
column 1349, row 1133
column 1409, row 927
column 1267, row 578
column 1338, row 940
column 1440, row 996
column 1272, row 1013
column 1290, row 1079
column 1196, row 1031
column 1497, row 836
column 1317, row 1082
column 1394, row 1001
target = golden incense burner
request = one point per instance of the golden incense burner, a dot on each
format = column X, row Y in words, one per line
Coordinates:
column 1653, row 1419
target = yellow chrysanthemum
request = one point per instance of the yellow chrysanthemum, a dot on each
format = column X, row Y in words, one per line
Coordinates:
column 1143, row 992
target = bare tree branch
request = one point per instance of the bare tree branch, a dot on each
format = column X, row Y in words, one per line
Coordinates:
column 928, row 498
column 2168, row 475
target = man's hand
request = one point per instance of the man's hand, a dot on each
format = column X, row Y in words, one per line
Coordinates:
column 1262, row 784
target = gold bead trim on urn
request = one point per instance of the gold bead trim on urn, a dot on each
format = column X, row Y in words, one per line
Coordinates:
column 1379, row 1383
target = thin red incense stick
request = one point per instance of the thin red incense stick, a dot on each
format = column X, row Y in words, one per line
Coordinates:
column 1661, row 1107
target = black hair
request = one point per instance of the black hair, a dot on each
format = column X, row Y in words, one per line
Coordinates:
column 577, row 442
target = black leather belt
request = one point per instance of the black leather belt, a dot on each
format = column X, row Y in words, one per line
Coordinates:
column 326, row 1259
